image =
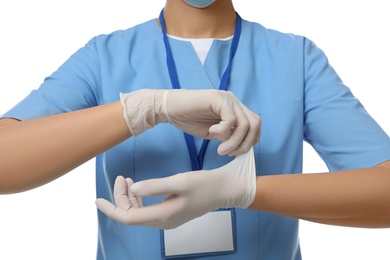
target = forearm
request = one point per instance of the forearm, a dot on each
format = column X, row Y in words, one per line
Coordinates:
column 357, row 198
column 34, row 152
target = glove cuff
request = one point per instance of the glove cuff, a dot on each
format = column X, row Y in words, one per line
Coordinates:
column 143, row 109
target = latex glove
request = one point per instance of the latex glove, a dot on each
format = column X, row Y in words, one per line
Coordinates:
column 191, row 195
column 209, row 114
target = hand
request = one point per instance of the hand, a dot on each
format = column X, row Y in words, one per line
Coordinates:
column 209, row 114
column 191, row 195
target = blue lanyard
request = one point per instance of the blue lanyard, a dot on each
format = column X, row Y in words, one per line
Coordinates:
column 197, row 159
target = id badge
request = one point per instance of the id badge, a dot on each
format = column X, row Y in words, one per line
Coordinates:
column 211, row 234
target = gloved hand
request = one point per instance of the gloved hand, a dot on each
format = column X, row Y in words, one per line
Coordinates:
column 191, row 195
column 209, row 114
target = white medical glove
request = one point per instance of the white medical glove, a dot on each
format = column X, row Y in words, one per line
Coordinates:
column 209, row 114
column 191, row 195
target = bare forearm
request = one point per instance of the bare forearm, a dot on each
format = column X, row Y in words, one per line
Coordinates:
column 37, row 151
column 358, row 198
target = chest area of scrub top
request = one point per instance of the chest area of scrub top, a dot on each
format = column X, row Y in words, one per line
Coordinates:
column 192, row 74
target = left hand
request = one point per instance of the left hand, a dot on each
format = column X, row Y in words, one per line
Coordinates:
column 191, row 195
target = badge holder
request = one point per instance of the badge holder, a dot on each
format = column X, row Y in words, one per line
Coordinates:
column 211, row 234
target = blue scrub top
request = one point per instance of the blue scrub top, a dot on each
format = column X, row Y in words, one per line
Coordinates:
column 284, row 78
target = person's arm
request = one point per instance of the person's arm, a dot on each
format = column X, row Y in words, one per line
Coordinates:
column 355, row 198
column 34, row 152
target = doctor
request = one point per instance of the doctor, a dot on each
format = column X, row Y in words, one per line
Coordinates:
column 309, row 103
column 283, row 78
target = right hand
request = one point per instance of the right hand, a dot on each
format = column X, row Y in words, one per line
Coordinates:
column 208, row 114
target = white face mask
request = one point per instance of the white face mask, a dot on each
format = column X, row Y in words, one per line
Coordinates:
column 199, row 3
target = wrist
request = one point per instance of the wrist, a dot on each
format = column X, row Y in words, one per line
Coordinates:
column 160, row 112
column 143, row 109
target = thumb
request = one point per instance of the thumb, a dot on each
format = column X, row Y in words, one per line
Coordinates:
column 157, row 187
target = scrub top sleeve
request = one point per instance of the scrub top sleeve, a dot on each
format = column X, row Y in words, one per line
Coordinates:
column 336, row 124
column 72, row 87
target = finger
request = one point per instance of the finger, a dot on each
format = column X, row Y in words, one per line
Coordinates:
column 253, row 134
column 134, row 200
column 227, row 115
column 239, row 131
column 161, row 186
column 120, row 193
column 156, row 215
column 109, row 209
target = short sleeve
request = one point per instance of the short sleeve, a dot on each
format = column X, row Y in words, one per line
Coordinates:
column 336, row 123
column 72, row 87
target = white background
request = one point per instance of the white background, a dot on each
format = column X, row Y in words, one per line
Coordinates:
column 58, row 220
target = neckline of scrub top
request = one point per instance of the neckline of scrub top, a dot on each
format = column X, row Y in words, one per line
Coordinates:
column 201, row 45
column 197, row 159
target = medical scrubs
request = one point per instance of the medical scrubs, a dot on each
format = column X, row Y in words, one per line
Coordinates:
column 284, row 78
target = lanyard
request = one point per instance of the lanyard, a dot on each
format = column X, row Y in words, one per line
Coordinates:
column 197, row 159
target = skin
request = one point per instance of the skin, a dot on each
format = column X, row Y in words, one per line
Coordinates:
column 39, row 141
column 354, row 198
column 215, row 21
column 358, row 198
